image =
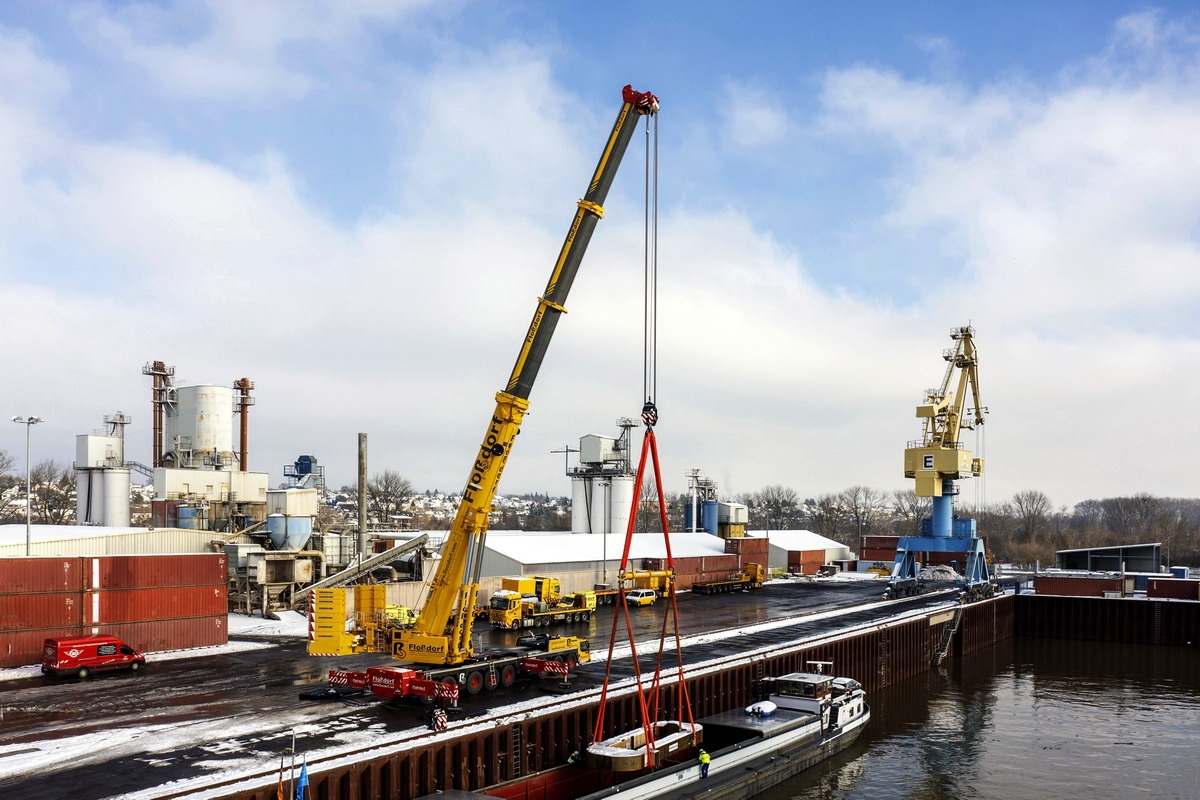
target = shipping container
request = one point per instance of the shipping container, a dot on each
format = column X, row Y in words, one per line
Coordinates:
column 719, row 563
column 34, row 574
column 148, row 572
column 22, row 648
column 747, row 545
column 877, row 554
column 1173, row 588
column 22, row 612
column 1077, row 586
column 169, row 634
column 881, row 542
column 141, row 605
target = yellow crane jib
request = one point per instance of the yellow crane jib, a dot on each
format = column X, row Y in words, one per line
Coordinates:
column 442, row 632
column 939, row 455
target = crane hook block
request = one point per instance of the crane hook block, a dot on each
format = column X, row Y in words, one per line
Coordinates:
column 644, row 102
column 650, row 414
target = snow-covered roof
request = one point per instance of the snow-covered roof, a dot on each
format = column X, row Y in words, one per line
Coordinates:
column 798, row 540
column 556, row 548
column 15, row 534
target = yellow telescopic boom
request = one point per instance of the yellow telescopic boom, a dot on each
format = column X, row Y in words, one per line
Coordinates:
column 442, row 634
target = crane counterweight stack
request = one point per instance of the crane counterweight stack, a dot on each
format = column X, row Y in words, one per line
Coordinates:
column 936, row 461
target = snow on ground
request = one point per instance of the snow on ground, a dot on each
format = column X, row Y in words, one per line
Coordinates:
column 290, row 625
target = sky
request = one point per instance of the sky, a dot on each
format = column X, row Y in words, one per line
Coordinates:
column 356, row 205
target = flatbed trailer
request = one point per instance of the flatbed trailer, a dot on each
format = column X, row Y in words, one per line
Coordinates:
column 750, row 578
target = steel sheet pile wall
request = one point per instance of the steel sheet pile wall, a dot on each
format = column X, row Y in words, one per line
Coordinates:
column 1109, row 620
column 158, row 602
column 499, row 758
column 984, row 624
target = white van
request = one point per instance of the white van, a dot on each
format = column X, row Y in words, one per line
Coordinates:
column 641, row 597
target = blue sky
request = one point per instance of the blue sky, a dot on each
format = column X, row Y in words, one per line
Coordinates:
column 355, row 203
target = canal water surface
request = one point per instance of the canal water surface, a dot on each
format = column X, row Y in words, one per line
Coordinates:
column 1028, row 718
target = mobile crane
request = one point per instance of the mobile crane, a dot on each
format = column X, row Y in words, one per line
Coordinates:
column 438, row 644
column 936, row 461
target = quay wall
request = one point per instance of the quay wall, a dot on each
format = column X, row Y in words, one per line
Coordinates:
column 500, row 756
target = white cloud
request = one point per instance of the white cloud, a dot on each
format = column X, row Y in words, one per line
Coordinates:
column 752, row 118
column 244, row 50
column 1073, row 205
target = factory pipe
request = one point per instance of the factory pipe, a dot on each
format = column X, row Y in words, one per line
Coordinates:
column 362, row 495
column 244, row 401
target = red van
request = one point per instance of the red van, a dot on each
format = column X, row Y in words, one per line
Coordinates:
column 82, row 655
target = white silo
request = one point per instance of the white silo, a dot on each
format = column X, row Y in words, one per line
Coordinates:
column 199, row 426
column 602, row 484
column 101, row 481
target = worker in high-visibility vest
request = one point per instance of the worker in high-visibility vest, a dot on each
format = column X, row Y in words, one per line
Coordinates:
column 704, row 762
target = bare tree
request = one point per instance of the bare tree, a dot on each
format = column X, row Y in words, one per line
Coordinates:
column 828, row 517
column 6, row 462
column 53, row 493
column 388, row 494
column 864, row 508
column 1032, row 510
column 778, row 506
column 908, row 510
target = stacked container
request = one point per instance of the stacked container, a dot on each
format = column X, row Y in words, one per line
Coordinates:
column 1173, row 588
column 159, row 602
column 39, row 599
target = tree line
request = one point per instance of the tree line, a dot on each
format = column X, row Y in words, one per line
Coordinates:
column 1024, row 530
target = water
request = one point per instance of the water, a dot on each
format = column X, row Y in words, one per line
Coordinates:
column 1027, row 718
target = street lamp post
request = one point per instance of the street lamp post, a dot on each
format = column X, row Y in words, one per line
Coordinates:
column 28, row 422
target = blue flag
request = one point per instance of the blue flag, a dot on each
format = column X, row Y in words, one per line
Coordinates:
column 303, row 782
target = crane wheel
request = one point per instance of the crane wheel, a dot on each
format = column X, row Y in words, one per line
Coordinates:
column 491, row 679
column 474, row 682
column 508, row 675
column 516, row 623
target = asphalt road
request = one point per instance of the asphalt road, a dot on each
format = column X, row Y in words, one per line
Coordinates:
column 121, row 732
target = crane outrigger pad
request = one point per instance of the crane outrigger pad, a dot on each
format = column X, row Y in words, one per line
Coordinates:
column 627, row 752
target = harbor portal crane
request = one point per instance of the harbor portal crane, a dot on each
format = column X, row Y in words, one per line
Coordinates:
column 937, row 461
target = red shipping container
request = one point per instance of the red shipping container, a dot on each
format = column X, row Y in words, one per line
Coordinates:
column 169, row 634
column 652, row 563
column 810, row 569
column 22, row 612
column 1075, row 586
column 145, row 572
column 20, row 575
column 719, row 563
column 1173, row 588
column 22, row 648
column 877, row 554
column 882, row 542
column 683, row 583
column 141, row 605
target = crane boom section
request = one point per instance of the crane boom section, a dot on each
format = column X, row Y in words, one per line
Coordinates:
column 442, row 633
column 939, row 456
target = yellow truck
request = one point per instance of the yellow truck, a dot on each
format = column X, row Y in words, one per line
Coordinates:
column 536, row 602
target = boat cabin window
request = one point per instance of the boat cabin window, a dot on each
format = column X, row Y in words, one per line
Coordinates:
column 802, row 687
